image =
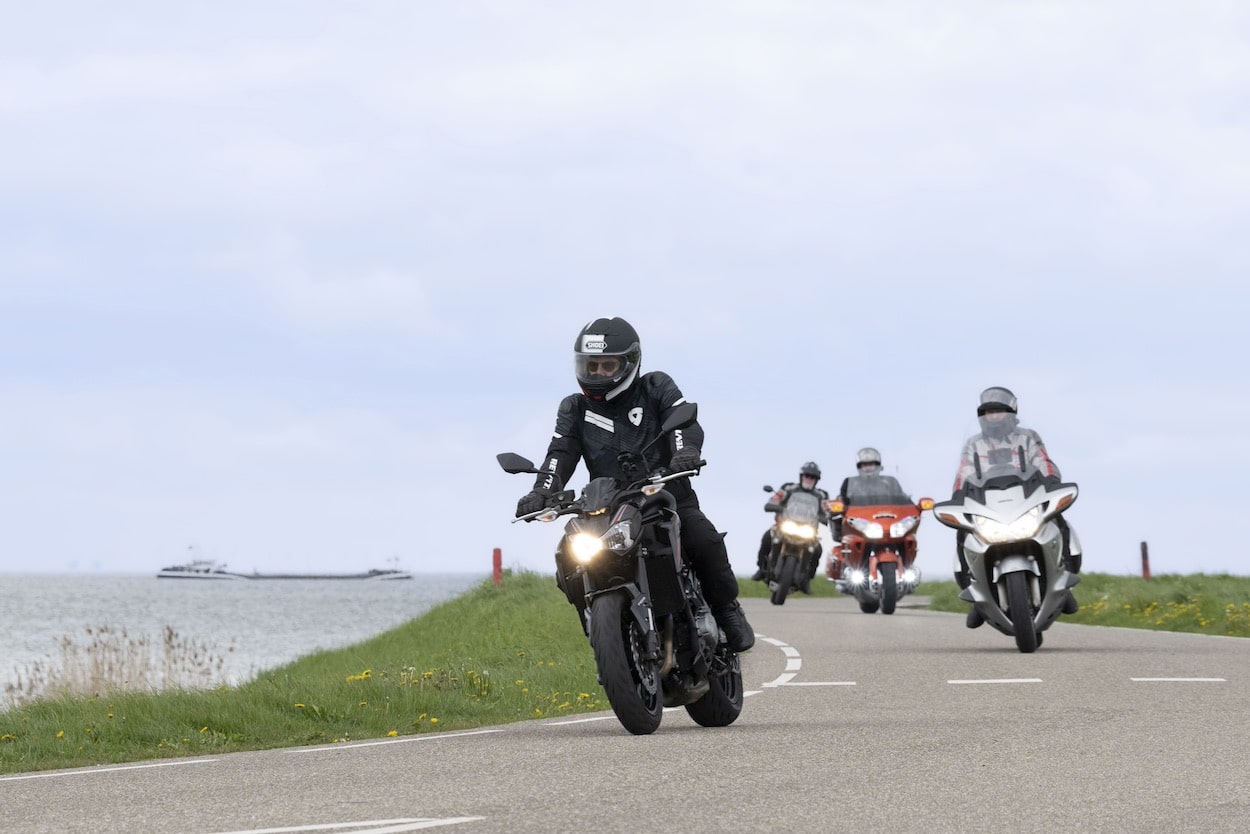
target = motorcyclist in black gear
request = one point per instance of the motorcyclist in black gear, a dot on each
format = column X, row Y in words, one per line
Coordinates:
column 809, row 475
column 619, row 410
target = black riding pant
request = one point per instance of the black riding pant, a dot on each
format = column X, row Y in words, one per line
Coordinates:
column 703, row 546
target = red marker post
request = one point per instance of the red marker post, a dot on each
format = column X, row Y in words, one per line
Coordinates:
column 497, row 574
column 1145, row 562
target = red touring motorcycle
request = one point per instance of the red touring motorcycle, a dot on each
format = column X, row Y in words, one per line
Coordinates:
column 877, row 561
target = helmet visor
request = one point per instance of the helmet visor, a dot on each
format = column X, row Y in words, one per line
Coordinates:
column 601, row 367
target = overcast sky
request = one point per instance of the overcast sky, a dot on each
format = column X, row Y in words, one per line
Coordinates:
column 278, row 280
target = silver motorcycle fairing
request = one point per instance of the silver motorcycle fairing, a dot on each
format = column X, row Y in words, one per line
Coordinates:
column 1007, row 504
column 980, row 593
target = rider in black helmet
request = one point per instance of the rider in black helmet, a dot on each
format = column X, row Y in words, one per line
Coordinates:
column 619, row 410
column 809, row 475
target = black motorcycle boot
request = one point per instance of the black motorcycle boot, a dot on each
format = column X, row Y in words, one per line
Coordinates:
column 1070, row 605
column 738, row 632
column 975, row 620
column 760, row 575
column 962, row 580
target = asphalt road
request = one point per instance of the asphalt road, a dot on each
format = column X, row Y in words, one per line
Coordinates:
column 854, row 722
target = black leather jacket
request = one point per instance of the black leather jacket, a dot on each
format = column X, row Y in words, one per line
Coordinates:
column 597, row 432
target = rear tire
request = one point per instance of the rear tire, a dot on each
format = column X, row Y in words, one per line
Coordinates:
column 632, row 684
column 869, row 606
column 722, row 704
column 785, row 579
column 1021, row 611
column 889, row 589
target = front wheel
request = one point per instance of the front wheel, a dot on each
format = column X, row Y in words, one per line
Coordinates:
column 1021, row 611
column 785, row 579
column 722, row 704
column 632, row 682
column 889, row 589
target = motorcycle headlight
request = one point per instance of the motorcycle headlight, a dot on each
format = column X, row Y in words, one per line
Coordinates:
column 798, row 531
column 995, row 532
column 911, row 576
column 858, row 577
column 870, row 529
column 620, row 537
column 903, row 526
column 585, row 547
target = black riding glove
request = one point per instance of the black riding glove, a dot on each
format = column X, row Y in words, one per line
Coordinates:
column 685, row 459
column 531, row 502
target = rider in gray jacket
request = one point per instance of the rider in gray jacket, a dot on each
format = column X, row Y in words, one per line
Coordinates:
column 1003, row 441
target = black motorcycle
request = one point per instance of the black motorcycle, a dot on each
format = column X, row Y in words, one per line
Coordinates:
column 792, row 558
column 655, row 641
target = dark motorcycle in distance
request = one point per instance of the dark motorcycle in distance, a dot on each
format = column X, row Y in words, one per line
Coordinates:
column 796, row 535
column 655, row 641
column 1014, row 549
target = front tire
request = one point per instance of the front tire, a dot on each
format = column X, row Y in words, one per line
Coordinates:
column 889, row 589
column 722, row 704
column 785, row 579
column 631, row 682
column 1021, row 611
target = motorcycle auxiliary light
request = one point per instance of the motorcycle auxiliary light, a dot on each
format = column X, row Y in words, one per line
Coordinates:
column 798, row 531
column 995, row 532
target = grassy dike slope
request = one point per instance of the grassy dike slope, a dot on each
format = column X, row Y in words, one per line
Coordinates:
column 490, row 656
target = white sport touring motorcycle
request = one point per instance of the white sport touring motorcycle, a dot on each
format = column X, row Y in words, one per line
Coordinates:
column 1013, row 548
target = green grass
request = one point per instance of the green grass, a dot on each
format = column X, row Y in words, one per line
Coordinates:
column 491, row 656
column 1199, row 603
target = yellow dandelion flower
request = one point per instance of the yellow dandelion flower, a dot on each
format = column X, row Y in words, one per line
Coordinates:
column 203, row 730
column 110, row 715
column 363, row 704
column 433, row 720
column 60, row 734
column 393, row 733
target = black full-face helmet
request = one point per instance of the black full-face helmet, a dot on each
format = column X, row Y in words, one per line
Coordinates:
column 997, row 412
column 868, row 461
column 809, row 470
column 606, row 358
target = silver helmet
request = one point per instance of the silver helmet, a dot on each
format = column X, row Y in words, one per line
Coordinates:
column 997, row 412
column 868, row 461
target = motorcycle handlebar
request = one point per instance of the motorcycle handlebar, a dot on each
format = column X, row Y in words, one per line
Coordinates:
column 659, row 477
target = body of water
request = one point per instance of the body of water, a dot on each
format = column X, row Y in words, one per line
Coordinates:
column 252, row 625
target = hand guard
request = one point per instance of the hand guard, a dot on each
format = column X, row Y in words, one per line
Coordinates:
column 531, row 502
column 685, row 459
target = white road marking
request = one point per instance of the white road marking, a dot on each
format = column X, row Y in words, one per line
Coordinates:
column 113, row 769
column 794, row 663
column 366, row 826
column 579, row 720
column 1179, row 680
column 349, row 745
column 818, row 683
column 999, row 680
